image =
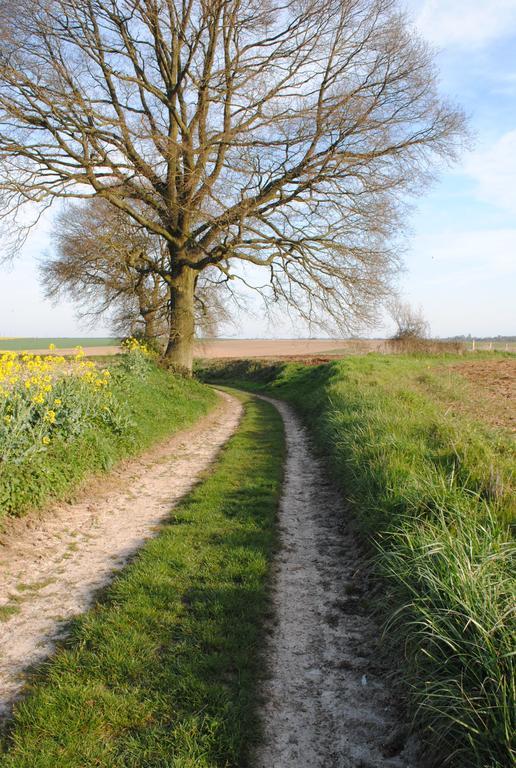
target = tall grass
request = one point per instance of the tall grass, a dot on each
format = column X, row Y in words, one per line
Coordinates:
column 433, row 491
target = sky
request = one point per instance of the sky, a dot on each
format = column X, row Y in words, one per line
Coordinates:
column 460, row 263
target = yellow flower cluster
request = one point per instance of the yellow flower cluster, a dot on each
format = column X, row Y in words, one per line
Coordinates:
column 38, row 373
column 40, row 394
column 133, row 345
column 35, row 372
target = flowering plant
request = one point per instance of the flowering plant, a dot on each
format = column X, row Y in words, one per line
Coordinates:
column 47, row 396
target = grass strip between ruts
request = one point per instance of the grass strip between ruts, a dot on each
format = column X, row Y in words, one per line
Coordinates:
column 164, row 671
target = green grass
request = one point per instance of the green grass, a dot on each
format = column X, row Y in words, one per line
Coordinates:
column 21, row 344
column 157, row 405
column 163, row 673
column 433, row 489
column 8, row 611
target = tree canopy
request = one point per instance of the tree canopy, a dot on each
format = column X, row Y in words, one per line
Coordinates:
column 284, row 134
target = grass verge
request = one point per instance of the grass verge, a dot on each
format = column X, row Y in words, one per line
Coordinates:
column 433, row 489
column 164, row 672
column 155, row 405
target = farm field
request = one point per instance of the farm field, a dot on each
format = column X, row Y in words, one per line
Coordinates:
column 215, row 348
column 64, row 345
column 232, row 348
column 282, row 348
column 319, row 350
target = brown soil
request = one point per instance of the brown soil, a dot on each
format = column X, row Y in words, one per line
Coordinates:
column 284, row 348
column 497, row 376
column 493, row 391
column 328, row 701
column 52, row 566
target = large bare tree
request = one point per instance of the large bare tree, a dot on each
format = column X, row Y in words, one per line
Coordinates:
column 278, row 133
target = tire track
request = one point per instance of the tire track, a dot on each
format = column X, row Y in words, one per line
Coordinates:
column 328, row 704
column 52, row 566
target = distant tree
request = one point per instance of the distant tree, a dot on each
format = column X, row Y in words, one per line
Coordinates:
column 279, row 134
column 109, row 265
column 410, row 323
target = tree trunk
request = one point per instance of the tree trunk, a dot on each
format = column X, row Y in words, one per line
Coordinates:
column 148, row 313
column 179, row 352
column 151, row 326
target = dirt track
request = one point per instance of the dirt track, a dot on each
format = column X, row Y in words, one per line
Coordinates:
column 51, row 567
column 328, row 704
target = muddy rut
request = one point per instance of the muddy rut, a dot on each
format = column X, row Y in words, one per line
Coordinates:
column 327, row 700
column 52, row 566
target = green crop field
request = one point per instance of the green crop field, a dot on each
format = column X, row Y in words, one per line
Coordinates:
column 20, row 344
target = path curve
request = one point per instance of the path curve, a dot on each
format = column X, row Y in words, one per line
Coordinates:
column 327, row 704
column 52, row 566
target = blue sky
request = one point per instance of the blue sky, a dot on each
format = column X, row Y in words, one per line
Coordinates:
column 461, row 260
column 461, row 255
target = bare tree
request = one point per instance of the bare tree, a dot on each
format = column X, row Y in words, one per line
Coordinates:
column 111, row 266
column 410, row 323
column 275, row 133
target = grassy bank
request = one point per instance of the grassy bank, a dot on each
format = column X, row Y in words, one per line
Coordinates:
column 432, row 487
column 163, row 673
column 149, row 404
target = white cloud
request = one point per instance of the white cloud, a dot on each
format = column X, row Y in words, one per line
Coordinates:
column 466, row 23
column 493, row 170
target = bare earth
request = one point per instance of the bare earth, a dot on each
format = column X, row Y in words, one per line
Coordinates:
column 51, row 567
column 281, row 348
column 493, row 391
column 268, row 348
column 327, row 700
